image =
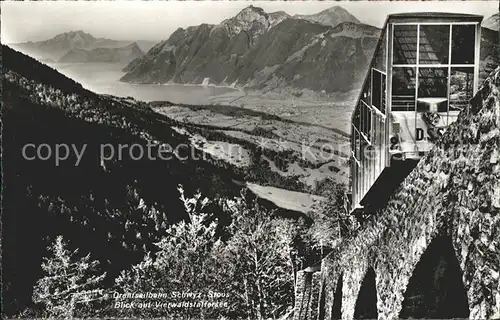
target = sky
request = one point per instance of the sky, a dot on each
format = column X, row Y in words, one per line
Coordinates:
column 156, row 20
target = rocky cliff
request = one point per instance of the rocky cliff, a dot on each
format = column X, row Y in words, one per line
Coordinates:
column 433, row 251
column 260, row 50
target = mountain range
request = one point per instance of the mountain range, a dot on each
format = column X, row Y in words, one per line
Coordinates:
column 120, row 55
column 329, row 17
column 328, row 51
column 79, row 46
column 264, row 50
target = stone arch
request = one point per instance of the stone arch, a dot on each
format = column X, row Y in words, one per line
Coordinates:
column 436, row 288
column 366, row 303
column 337, row 300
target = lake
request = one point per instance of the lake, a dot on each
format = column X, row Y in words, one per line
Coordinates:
column 104, row 78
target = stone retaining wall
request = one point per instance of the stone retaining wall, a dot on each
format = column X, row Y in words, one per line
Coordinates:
column 453, row 191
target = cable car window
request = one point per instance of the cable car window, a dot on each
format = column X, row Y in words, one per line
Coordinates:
column 384, row 92
column 363, row 118
column 461, row 87
column 405, row 44
column 368, row 123
column 357, row 118
column 432, row 90
column 403, row 89
column 357, row 149
column 366, row 96
column 434, row 44
column 463, row 44
column 380, row 56
column 378, row 88
column 366, row 120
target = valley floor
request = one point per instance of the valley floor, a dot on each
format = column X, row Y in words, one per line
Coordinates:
column 302, row 139
column 328, row 110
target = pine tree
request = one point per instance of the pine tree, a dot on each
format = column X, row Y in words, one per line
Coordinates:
column 181, row 262
column 256, row 266
column 70, row 282
column 333, row 223
column 259, row 261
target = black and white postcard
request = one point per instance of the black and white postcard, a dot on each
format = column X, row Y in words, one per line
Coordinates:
column 253, row 160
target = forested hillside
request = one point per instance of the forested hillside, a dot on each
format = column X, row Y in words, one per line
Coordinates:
column 113, row 209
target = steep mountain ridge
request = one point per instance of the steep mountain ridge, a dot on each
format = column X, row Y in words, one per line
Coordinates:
column 58, row 46
column 278, row 16
column 355, row 30
column 256, row 49
column 119, row 55
column 75, row 39
column 253, row 20
column 304, row 55
column 492, row 23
